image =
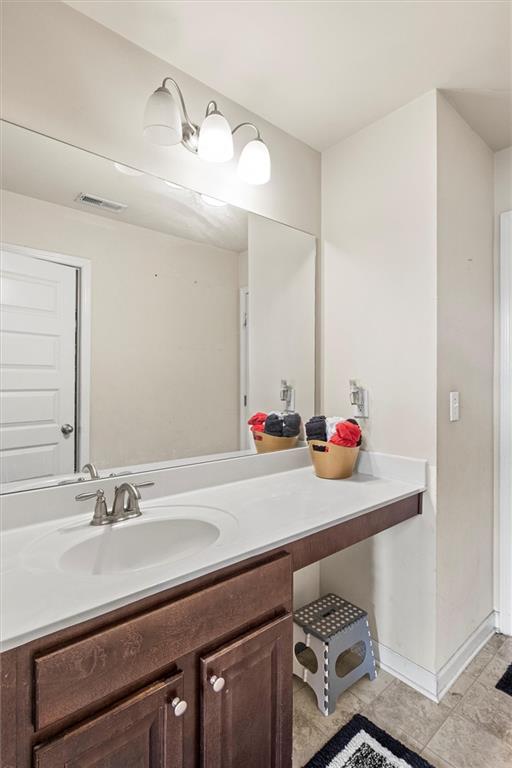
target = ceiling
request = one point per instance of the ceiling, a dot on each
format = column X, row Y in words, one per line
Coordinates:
column 63, row 172
column 323, row 70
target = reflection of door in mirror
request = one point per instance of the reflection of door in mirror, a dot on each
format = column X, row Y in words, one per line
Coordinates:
column 38, row 377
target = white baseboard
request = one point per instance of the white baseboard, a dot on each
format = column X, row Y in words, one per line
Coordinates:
column 450, row 671
column 407, row 671
column 430, row 684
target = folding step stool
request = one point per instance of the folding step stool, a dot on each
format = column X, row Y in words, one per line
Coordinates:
column 330, row 626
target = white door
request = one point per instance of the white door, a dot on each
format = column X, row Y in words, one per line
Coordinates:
column 37, row 367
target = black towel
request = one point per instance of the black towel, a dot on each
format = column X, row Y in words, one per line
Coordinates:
column 291, row 427
column 316, row 428
column 274, row 425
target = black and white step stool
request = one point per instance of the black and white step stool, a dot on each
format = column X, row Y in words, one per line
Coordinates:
column 329, row 626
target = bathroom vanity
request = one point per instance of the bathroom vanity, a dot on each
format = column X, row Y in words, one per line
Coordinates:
column 195, row 674
column 163, row 641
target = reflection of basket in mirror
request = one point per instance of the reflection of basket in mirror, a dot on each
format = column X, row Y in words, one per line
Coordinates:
column 267, row 443
column 332, row 462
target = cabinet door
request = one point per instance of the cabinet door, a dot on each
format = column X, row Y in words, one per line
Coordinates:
column 143, row 731
column 247, row 721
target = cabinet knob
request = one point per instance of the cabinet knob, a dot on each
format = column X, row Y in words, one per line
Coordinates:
column 217, row 683
column 179, row 706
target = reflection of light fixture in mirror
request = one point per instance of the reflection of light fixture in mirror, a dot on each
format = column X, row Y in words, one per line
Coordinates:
column 212, row 201
column 127, row 170
column 166, row 122
column 172, row 185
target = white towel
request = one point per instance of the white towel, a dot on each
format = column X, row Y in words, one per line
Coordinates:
column 330, row 424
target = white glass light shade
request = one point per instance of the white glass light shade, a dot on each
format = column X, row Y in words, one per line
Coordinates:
column 254, row 163
column 162, row 119
column 215, row 139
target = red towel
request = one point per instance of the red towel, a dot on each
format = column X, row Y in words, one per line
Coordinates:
column 257, row 421
column 347, row 434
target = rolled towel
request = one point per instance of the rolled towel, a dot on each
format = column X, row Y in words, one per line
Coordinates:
column 330, row 425
column 291, row 426
column 353, row 421
column 257, row 421
column 347, row 434
column 316, row 428
column 274, row 425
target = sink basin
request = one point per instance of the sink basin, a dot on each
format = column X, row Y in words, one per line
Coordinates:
column 119, row 548
column 161, row 536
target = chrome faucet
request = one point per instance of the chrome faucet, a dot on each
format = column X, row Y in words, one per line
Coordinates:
column 125, row 506
column 89, row 467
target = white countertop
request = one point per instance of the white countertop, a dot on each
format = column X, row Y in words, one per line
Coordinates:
column 262, row 513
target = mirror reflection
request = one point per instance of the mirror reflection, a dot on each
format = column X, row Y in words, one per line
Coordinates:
column 142, row 323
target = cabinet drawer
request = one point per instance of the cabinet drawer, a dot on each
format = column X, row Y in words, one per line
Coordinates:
column 86, row 671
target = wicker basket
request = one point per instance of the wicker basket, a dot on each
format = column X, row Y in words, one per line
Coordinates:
column 267, row 443
column 332, row 462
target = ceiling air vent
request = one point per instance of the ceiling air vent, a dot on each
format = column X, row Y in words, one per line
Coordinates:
column 99, row 202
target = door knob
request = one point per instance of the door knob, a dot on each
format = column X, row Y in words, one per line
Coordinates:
column 217, row 683
column 67, row 429
column 179, row 706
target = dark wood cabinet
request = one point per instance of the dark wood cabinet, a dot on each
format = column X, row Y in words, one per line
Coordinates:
column 143, row 731
column 101, row 695
column 246, row 700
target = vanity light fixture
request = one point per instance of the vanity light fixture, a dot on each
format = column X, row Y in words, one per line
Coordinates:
column 166, row 122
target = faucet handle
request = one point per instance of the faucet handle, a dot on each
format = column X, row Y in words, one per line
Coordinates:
column 90, row 495
column 101, row 514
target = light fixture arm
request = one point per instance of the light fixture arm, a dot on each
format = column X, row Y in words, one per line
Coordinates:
column 211, row 107
column 190, row 130
column 182, row 100
column 251, row 125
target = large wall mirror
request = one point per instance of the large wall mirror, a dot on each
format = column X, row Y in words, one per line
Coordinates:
column 142, row 322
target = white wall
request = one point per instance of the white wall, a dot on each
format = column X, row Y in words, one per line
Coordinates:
column 69, row 77
column 164, row 319
column 281, row 315
column 464, row 363
column 378, row 325
column 408, row 309
column 502, row 203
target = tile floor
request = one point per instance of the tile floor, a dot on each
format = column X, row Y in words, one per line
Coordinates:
column 470, row 728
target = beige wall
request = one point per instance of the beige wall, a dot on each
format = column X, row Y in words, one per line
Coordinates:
column 502, row 203
column 378, row 282
column 169, row 393
column 408, row 304
column 68, row 76
column 464, row 363
column 281, row 315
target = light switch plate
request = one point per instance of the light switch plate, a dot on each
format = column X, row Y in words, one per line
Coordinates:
column 454, row 406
